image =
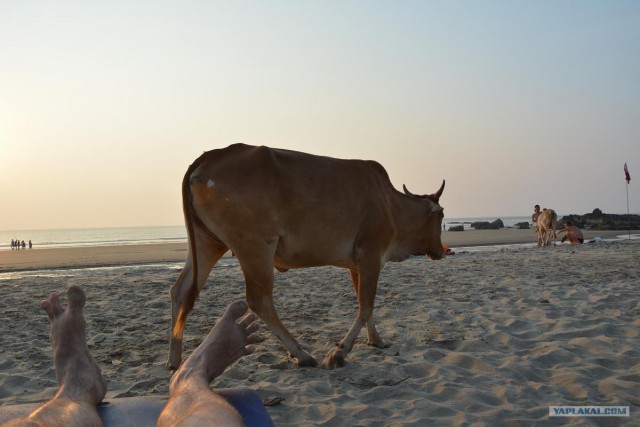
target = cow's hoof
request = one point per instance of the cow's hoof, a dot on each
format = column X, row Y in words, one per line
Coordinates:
column 380, row 344
column 172, row 365
column 306, row 362
column 335, row 359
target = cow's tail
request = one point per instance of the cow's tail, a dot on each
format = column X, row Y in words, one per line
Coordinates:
column 189, row 219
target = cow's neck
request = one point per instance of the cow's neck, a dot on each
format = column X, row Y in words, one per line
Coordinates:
column 409, row 217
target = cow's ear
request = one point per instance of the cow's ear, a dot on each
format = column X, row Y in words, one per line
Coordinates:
column 435, row 197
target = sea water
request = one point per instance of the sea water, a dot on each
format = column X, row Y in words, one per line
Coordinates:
column 112, row 236
column 508, row 221
column 79, row 237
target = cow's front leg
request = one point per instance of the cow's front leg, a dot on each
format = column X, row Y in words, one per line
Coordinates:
column 366, row 292
column 335, row 358
column 374, row 337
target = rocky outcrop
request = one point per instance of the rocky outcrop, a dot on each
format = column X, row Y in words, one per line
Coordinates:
column 597, row 220
column 457, row 228
column 522, row 226
column 485, row 225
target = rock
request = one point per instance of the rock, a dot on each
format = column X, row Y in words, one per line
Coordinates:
column 481, row 225
column 457, row 228
column 485, row 225
column 601, row 221
column 273, row 401
column 522, row 226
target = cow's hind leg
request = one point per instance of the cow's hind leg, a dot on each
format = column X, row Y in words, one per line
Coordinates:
column 366, row 291
column 258, row 274
column 539, row 234
column 546, row 236
column 208, row 253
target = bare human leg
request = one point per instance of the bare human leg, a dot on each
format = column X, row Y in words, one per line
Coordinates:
column 81, row 385
column 191, row 400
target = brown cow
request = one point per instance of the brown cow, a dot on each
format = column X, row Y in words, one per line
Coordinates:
column 546, row 227
column 286, row 209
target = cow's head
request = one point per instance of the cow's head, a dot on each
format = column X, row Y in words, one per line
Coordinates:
column 431, row 226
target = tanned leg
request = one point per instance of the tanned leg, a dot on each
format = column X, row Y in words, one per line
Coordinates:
column 191, row 400
column 81, row 385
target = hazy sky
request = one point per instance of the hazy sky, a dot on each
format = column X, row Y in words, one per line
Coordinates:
column 103, row 105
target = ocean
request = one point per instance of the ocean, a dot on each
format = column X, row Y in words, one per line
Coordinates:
column 112, row 236
column 79, row 237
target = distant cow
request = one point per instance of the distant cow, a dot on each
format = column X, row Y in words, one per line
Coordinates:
column 286, row 209
column 546, row 227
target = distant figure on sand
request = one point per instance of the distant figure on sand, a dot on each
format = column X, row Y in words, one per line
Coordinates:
column 191, row 401
column 534, row 221
column 534, row 216
column 30, row 244
column 572, row 233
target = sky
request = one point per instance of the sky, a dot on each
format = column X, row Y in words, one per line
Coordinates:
column 103, row 105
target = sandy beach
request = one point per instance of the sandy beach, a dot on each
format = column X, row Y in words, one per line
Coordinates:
column 478, row 338
column 101, row 256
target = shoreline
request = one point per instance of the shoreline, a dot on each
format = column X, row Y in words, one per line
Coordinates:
column 137, row 254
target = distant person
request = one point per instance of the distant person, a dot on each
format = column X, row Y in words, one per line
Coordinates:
column 30, row 244
column 23, row 244
column 13, row 244
column 191, row 401
column 534, row 216
column 571, row 233
column 534, row 222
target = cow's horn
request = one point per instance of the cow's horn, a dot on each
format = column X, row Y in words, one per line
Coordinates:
column 436, row 196
column 407, row 192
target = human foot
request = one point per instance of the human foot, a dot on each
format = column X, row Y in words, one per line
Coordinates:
column 232, row 337
column 78, row 374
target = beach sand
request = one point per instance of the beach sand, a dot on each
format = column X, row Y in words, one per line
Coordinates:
column 488, row 337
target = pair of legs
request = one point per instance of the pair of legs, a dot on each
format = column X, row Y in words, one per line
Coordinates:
column 191, row 401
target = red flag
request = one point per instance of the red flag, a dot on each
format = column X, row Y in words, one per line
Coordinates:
column 626, row 173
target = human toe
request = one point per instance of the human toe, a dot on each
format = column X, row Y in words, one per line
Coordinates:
column 76, row 297
column 236, row 310
column 52, row 306
column 252, row 328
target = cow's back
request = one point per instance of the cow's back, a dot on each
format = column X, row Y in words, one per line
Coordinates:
column 298, row 198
